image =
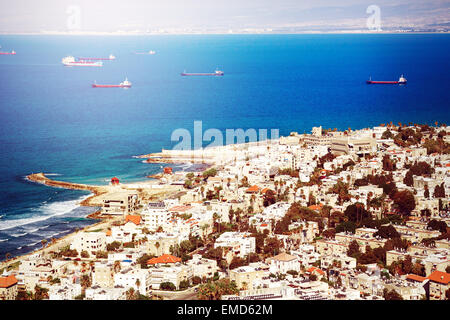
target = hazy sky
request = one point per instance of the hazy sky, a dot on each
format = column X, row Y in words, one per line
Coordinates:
column 112, row 15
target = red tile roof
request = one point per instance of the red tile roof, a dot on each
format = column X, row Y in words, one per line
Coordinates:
column 254, row 188
column 165, row 258
column 133, row 218
column 317, row 207
column 440, row 277
column 6, row 282
column 415, row 277
column 314, row 269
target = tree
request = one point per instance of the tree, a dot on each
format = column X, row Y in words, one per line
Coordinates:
column 272, row 246
column 40, row 293
column 113, row 246
column 84, row 254
column 391, row 294
column 85, row 281
column 356, row 213
column 269, row 198
column 437, row 225
column 346, row 226
column 387, row 134
column 184, row 284
column 167, row 286
column 209, row 173
column 409, row 179
column 426, row 193
column 439, row 191
column 214, row 290
column 404, row 202
column 388, row 164
column 24, row 295
column 131, row 294
column 117, row 266
column 196, row 280
column 387, row 232
column 353, row 249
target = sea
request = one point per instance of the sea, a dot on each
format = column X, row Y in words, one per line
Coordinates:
column 53, row 121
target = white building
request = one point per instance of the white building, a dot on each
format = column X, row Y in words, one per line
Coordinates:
column 98, row 293
column 89, row 241
column 138, row 279
column 64, row 292
column 202, row 267
column 241, row 243
column 283, row 263
column 155, row 215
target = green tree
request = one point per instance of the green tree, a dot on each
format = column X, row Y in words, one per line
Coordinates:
column 391, row 295
column 353, row 249
column 404, row 202
column 214, row 290
column 169, row 286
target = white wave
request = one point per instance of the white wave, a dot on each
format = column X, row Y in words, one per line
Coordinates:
column 19, row 248
column 3, row 240
column 47, row 211
column 53, row 174
column 33, row 230
column 54, row 234
column 16, row 235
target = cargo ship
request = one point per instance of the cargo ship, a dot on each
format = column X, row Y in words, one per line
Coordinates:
column 216, row 73
column 70, row 61
column 111, row 57
column 401, row 80
column 124, row 84
column 12, row 52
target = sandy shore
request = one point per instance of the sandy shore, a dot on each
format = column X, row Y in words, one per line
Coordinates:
column 61, row 242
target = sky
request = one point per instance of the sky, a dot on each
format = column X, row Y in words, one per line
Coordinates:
column 113, row 15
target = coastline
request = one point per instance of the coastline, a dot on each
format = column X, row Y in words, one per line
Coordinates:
column 59, row 242
column 95, row 199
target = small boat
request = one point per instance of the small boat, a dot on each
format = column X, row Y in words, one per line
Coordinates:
column 124, row 84
column 216, row 73
column 401, row 80
column 10, row 53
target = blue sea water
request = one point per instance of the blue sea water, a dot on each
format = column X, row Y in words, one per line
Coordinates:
column 53, row 121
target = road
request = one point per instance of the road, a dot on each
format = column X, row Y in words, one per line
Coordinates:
column 188, row 294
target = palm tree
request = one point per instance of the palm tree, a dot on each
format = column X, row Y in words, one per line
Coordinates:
column 117, row 266
column 43, row 242
column 131, row 294
column 204, row 227
column 215, row 219
column 138, row 284
column 157, row 245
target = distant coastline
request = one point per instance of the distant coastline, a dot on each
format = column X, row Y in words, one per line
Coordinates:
column 214, row 33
